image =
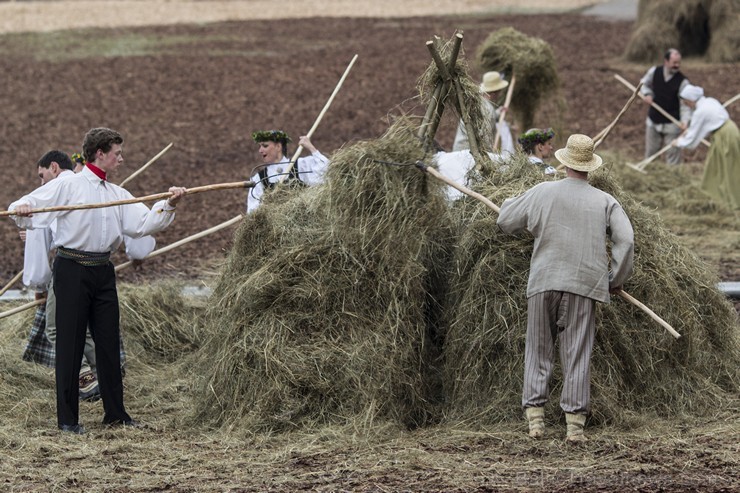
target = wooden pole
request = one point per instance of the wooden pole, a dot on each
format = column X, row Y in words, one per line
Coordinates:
column 160, row 251
column 654, row 105
column 299, row 150
column 430, row 170
column 602, row 135
column 133, row 175
column 135, row 200
column 651, row 313
column 641, row 165
column 11, row 282
column 731, row 100
column 458, row 100
column 130, row 177
column 457, row 186
column 501, row 118
column 188, row 239
column 436, row 105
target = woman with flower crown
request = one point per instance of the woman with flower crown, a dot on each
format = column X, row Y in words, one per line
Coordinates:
column 276, row 166
column 537, row 144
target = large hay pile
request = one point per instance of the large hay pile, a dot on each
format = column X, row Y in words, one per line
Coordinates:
column 322, row 313
column 695, row 27
column 532, row 61
column 636, row 366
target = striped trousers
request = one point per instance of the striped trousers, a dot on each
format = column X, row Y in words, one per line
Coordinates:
column 554, row 315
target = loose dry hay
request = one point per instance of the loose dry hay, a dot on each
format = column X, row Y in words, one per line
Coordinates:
column 24, row 386
column 321, row 314
column 636, row 365
column 160, row 319
column 532, row 61
column 694, row 27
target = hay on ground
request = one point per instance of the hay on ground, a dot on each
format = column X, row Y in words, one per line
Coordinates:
column 160, row 319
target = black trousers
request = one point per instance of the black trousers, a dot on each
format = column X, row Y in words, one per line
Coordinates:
column 87, row 295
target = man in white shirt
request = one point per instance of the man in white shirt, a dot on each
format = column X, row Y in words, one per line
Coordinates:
column 490, row 86
column 84, row 278
column 276, row 166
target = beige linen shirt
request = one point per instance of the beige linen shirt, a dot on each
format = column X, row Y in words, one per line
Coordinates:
column 571, row 221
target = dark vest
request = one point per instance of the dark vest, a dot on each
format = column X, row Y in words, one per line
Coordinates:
column 666, row 96
column 293, row 177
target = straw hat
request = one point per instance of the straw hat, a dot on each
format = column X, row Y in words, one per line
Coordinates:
column 579, row 153
column 492, row 82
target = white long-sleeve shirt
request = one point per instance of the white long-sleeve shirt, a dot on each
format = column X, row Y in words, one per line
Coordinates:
column 311, row 170
column 40, row 242
column 569, row 220
column 647, row 90
column 492, row 114
column 92, row 230
column 707, row 117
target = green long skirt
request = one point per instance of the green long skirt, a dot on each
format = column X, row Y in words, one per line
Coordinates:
column 721, row 177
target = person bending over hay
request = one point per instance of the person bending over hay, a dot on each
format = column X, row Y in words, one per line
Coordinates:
column 721, row 177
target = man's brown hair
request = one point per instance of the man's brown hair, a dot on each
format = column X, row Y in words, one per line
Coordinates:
column 99, row 138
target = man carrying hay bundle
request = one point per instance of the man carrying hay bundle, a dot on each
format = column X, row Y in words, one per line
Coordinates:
column 492, row 83
column 661, row 85
column 273, row 148
column 721, row 177
column 569, row 272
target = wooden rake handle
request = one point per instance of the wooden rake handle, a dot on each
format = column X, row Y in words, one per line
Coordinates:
column 136, row 200
column 160, row 251
column 299, row 150
column 457, row 186
column 149, row 163
column 501, row 118
column 11, row 282
column 651, row 313
column 654, row 105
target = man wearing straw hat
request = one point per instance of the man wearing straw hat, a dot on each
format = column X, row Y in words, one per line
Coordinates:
column 492, row 83
column 661, row 85
column 569, row 272
column 84, row 279
column 273, row 149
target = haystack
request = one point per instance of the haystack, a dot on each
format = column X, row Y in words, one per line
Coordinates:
column 533, row 62
column 636, row 366
column 323, row 311
column 695, row 27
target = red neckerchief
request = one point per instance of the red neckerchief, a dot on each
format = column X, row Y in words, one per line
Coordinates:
column 97, row 171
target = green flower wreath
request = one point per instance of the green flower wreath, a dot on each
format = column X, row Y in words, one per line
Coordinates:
column 77, row 158
column 535, row 136
column 271, row 136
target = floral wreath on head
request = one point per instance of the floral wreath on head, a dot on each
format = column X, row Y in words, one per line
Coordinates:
column 271, row 136
column 77, row 158
column 535, row 136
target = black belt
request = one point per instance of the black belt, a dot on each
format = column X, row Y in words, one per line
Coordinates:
column 88, row 259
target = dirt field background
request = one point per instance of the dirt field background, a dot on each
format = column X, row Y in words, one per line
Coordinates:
column 205, row 87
